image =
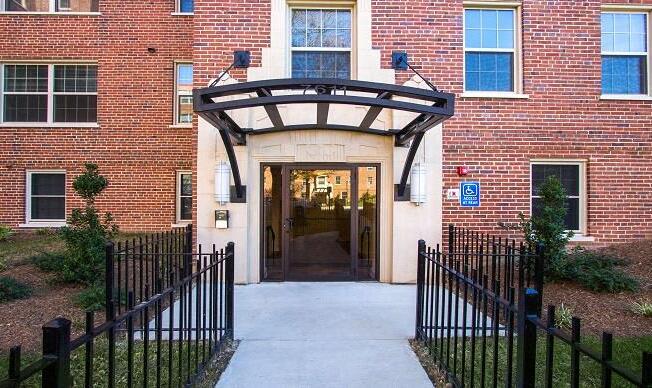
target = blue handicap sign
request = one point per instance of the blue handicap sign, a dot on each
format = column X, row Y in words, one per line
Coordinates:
column 470, row 194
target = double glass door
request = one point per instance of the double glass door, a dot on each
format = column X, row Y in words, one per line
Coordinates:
column 320, row 222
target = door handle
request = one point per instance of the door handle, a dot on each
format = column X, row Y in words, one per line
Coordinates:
column 288, row 224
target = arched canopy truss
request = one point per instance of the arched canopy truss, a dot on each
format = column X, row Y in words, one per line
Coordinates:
column 216, row 104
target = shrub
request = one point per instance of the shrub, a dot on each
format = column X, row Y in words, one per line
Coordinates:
column 563, row 317
column 49, row 261
column 5, row 232
column 92, row 298
column 643, row 308
column 547, row 227
column 11, row 289
column 87, row 232
column 3, row 263
column 596, row 271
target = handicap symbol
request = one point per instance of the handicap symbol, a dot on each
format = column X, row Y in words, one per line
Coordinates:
column 470, row 190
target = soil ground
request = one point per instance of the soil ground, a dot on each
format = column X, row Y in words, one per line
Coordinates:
column 610, row 312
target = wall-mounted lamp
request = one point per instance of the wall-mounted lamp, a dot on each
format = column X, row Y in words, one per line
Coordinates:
column 151, row 50
column 222, row 183
column 418, row 184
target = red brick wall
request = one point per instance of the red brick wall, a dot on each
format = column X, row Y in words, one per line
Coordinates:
column 563, row 118
column 496, row 138
column 134, row 146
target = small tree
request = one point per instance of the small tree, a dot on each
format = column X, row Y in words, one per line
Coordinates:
column 547, row 227
column 87, row 233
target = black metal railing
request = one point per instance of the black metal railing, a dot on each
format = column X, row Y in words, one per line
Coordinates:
column 139, row 264
column 478, row 312
column 166, row 340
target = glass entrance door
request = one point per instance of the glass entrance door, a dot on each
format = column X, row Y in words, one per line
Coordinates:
column 319, row 222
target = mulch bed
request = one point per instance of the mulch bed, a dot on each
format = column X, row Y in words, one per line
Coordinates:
column 217, row 365
column 610, row 312
column 21, row 320
column 436, row 375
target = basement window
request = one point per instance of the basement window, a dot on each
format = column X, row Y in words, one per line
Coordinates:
column 572, row 176
column 184, row 197
column 46, row 196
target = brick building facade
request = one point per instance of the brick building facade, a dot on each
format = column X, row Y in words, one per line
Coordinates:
column 556, row 112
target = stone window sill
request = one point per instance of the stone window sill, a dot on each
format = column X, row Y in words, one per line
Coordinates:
column 180, row 126
column 44, row 224
column 582, row 238
column 630, row 97
column 507, row 95
column 49, row 125
column 182, row 14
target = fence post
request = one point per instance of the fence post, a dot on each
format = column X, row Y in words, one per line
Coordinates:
column 229, row 288
column 646, row 377
column 108, row 276
column 56, row 346
column 528, row 306
column 188, row 252
column 421, row 266
column 451, row 237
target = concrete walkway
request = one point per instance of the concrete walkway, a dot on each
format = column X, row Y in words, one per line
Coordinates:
column 324, row 335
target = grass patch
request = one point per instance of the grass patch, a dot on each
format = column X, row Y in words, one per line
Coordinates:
column 19, row 248
column 11, row 289
column 177, row 358
column 626, row 351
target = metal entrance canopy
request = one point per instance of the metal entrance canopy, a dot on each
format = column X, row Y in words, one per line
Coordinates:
column 215, row 103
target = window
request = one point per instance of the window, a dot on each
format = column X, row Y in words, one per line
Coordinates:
column 370, row 180
column 46, row 196
column 624, row 53
column 338, row 180
column 490, row 50
column 50, row 5
column 321, row 181
column 184, row 196
column 49, row 93
column 572, row 177
column 185, row 6
column 183, row 92
column 321, row 43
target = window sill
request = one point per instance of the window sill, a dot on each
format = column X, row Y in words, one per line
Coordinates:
column 581, row 238
column 49, row 125
column 180, row 126
column 44, row 224
column 495, row 95
column 182, row 14
column 181, row 224
column 48, row 13
column 632, row 97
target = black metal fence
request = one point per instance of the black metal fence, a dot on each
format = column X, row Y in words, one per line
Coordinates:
column 139, row 264
column 478, row 312
column 164, row 341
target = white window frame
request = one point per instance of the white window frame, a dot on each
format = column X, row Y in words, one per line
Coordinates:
column 517, row 76
column 53, row 9
column 29, row 221
column 322, row 6
column 583, row 194
column 178, row 196
column 175, row 121
column 50, row 93
column 177, row 9
column 627, row 9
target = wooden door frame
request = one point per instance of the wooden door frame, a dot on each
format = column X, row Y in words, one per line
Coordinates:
column 285, row 211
